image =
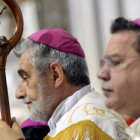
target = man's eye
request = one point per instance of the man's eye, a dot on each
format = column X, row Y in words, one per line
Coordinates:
column 115, row 61
column 24, row 78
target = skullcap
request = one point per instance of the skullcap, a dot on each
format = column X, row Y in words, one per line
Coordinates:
column 58, row 39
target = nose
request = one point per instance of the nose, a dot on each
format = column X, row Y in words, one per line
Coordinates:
column 21, row 90
column 104, row 73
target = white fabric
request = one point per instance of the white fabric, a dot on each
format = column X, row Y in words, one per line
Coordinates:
column 66, row 105
column 89, row 107
column 135, row 126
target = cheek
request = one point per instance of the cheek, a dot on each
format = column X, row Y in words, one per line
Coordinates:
column 125, row 85
column 33, row 89
column 120, row 83
column 32, row 93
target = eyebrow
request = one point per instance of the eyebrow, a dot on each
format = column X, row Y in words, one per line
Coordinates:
column 114, row 55
column 22, row 72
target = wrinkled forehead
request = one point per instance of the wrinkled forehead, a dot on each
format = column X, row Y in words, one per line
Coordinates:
column 121, row 43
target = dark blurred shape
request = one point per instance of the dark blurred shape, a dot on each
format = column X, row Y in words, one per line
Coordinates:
column 34, row 130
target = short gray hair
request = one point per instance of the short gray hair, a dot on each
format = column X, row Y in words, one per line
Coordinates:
column 41, row 56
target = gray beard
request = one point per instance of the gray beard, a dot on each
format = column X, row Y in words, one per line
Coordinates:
column 42, row 107
column 36, row 113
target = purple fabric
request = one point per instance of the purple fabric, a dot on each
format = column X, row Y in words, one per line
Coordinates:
column 137, row 21
column 58, row 39
column 29, row 122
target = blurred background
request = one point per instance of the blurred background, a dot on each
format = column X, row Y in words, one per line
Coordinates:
column 88, row 20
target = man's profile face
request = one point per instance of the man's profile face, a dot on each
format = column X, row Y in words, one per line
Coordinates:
column 121, row 74
column 34, row 90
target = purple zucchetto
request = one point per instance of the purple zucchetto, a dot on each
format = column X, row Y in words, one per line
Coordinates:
column 29, row 123
column 58, row 39
column 137, row 21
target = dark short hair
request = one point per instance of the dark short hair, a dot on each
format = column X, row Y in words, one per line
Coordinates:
column 121, row 24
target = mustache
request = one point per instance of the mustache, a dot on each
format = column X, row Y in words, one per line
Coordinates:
column 26, row 100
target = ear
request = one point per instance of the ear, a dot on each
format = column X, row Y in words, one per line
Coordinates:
column 57, row 74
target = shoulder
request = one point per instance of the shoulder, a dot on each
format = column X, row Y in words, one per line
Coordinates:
column 91, row 111
column 82, row 130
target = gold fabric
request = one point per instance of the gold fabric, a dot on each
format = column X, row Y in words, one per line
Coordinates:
column 80, row 131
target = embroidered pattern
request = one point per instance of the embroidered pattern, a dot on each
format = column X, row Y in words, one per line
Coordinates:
column 90, row 109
